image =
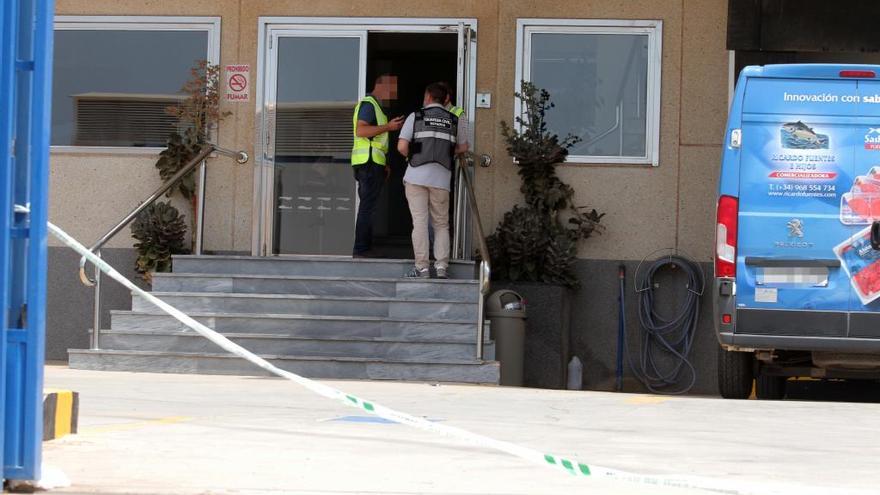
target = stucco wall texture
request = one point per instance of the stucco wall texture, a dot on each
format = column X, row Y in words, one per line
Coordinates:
column 647, row 208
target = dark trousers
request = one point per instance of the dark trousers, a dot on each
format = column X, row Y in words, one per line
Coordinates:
column 370, row 178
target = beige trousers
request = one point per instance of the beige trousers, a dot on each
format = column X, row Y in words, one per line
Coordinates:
column 422, row 202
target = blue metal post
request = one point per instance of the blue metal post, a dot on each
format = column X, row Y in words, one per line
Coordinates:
column 6, row 124
column 25, row 95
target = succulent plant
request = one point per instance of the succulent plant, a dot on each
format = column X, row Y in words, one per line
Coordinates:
column 161, row 232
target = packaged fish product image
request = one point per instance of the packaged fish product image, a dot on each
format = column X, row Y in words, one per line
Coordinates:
column 862, row 265
column 859, row 208
column 866, row 184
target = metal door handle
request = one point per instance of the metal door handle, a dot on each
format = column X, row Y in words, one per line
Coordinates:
column 485, row 160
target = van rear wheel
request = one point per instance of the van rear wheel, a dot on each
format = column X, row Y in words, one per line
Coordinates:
column 769, row 387
column 736, row 371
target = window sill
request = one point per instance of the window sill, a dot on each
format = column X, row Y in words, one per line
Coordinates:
column 104, row 150
column 609, row 162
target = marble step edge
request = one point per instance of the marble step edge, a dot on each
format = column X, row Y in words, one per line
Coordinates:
column 450, row 281
column 309, row 297
column 292, row 316
column 270, row 336
column 310, row 258
column 272, row 357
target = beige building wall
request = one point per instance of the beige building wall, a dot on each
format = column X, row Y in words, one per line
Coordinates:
column 90, row 192
column 646, row 208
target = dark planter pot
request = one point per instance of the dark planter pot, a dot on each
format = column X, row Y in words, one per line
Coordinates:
column 548, row 310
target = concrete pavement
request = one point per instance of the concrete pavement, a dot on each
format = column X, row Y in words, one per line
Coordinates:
column 191, row 434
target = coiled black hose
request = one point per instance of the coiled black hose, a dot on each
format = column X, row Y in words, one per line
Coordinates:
column 665, row 344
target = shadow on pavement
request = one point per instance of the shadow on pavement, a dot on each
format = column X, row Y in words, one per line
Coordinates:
column 834, row 391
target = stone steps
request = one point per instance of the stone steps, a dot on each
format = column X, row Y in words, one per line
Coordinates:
column 324, row 346
column 421, row 309
column 319, row 316
column 307, row 326
column 486, row 372
column 316, row 266
column 452, row 290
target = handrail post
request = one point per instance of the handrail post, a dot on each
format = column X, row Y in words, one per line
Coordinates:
column 485, row 274
column 481, row 309
column 461, row 218
column 96, row 321
column 200, row 209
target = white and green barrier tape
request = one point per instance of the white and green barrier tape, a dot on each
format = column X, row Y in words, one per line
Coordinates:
column 561, row 464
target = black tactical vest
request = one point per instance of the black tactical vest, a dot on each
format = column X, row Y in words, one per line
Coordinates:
column 434, row 136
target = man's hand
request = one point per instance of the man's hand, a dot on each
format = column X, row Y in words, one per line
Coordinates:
column 387, row 172
column 366, row 130
column 394, row 124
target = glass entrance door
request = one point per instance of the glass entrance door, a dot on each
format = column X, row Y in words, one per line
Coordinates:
column 318, row 79
column 462, row 242
column 313, row 72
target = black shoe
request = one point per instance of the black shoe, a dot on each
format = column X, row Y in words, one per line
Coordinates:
column 417, row 272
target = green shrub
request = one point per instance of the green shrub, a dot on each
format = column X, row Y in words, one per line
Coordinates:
column 538, row 241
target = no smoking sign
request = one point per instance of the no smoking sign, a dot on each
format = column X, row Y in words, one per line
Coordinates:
column 238, row 83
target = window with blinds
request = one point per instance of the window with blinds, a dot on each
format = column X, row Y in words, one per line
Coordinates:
column 113, row 78
column 113, row 119
column 314, row 129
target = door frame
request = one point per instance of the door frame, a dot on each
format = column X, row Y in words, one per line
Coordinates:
column 263, row 209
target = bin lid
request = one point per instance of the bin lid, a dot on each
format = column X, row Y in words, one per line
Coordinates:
column 498, row 305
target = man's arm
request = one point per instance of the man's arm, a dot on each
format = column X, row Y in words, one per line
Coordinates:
column 403, row 147
column 406, row 135
column 367, row 130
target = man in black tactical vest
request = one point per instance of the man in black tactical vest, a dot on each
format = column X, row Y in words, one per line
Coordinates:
column 430, row 138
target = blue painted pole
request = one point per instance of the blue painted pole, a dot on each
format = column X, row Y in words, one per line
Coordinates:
column 25, row 94
column 6, row 132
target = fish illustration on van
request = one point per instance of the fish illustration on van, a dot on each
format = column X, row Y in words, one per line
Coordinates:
column 800, row 136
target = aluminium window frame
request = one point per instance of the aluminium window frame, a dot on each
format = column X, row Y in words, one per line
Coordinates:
column 209, row 24
column 653, row 29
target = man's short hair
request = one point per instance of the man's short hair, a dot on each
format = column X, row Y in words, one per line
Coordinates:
column 379, row 78
column 438, row 92
column 448, row 88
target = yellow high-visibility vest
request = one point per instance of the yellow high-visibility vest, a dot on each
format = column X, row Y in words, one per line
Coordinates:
column 457, row 111
column 378, row 145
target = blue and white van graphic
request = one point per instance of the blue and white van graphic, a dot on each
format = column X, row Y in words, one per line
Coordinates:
column 800, row 136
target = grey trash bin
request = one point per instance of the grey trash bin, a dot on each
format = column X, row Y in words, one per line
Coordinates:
column 507, row 312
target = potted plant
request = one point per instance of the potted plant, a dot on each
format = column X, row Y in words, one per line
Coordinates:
column 198, row 115
column 534, row 248
column 160, row 229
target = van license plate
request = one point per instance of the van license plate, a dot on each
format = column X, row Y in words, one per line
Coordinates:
column 805, row 276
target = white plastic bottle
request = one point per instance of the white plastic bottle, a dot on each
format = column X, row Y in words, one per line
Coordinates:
column 575, row 374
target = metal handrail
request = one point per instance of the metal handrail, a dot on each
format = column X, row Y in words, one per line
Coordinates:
column 485, row 260
column 240, row 157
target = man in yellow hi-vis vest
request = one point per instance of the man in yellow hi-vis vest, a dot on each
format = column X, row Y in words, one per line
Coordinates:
column 368, row 157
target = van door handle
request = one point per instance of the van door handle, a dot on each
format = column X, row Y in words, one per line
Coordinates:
column 875, row 235
column 791, row 262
